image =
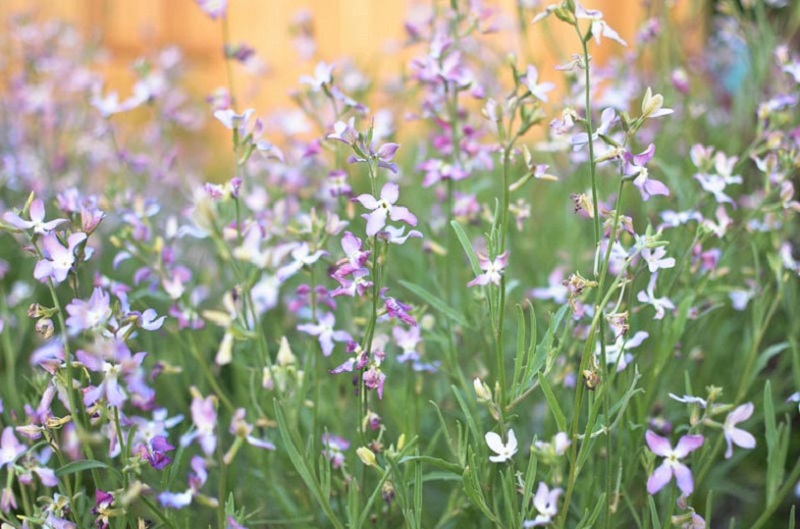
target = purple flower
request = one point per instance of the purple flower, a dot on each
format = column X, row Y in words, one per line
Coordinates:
column 57, row 260
column 37, row 221
column 197, row 478
column 149, row 320
column 539, row 91
column 655, row 259
column 213, row 8
column 649, row 297
column 492, row 270
column 335, row 447
column 436, row 170
column 325, row 332
column 241, row 428
column 383, row 207
column 546, row 503
column 204, row 416
column 737, row 436
column 607, row 119
column 556, row 290
column 634, row 166
column 671, row 466
column 399, row 310
column 103, row 503
column 113, row 363
column 89, row 315
column 302, row 257
column 374, row 378
column 156, row 452
column 10, row 447
column 351, row 245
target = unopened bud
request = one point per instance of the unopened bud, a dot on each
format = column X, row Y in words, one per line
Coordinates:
column 482, row 390
column 285, row 356
column 367, row 456
column 45, row 327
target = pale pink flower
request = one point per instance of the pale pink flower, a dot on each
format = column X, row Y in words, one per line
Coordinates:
column 737, row 436
column 671, row 466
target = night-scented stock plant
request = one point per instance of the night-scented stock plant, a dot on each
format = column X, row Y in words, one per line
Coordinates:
column 484, row 293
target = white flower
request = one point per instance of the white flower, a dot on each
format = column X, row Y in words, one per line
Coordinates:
column 504, row 451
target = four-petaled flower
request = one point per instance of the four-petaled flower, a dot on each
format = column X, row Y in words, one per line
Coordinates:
column 539, row 91
column 634, row 166
column 383, row 207
column 37, row 221
column 324, row 330
column 57, row 260
column 492, row 270
column 672, row 466
column 737, row 436
column 546, row 503
column 504, row 451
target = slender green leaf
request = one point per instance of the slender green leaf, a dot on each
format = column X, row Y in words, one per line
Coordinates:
column 653, row 513
column 468, row 249
column 435, row 302
column 299, row 462
column 589, row 520
column 82, row 465
column 555, row 408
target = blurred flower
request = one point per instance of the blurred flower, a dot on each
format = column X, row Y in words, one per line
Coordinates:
column 546, row 503
column 37, row 222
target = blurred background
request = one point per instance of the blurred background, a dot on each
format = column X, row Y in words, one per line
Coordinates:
column 290, row 36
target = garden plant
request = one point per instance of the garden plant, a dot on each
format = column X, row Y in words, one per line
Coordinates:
column 482, row 293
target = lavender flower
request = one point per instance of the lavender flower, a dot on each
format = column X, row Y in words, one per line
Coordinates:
column 546, row 503
column 492, row 270
column 671, row 466
column 737, row 436
column 324, row 330
column 57, row 260
column 383, row 208
column 37, row 222
column 89, row 315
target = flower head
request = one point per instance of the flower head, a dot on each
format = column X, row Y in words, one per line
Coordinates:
column 504, row 451
column 737, row 436
column 546, row 503
column 57, row 260
column 671, row 466
column 384, row 207
column 37, row 221
column 492, row 270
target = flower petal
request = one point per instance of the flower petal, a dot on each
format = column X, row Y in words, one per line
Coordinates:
column 660, row 477
column 495, row 442
column 687, row 444
column 684, row 478
column 660, row 446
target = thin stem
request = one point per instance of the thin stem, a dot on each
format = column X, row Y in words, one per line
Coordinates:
column 75, row 404
column 788, row 485
column 228, row 70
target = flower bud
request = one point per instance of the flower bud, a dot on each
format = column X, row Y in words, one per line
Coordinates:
column 285, row 356
column 482, row 390
column 367, row 456
column 45, row 327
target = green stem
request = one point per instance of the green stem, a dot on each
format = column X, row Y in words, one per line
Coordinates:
column 788, row 485
column 212, row 380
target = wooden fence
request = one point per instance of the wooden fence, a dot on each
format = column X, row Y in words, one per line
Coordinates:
column 369, row 31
